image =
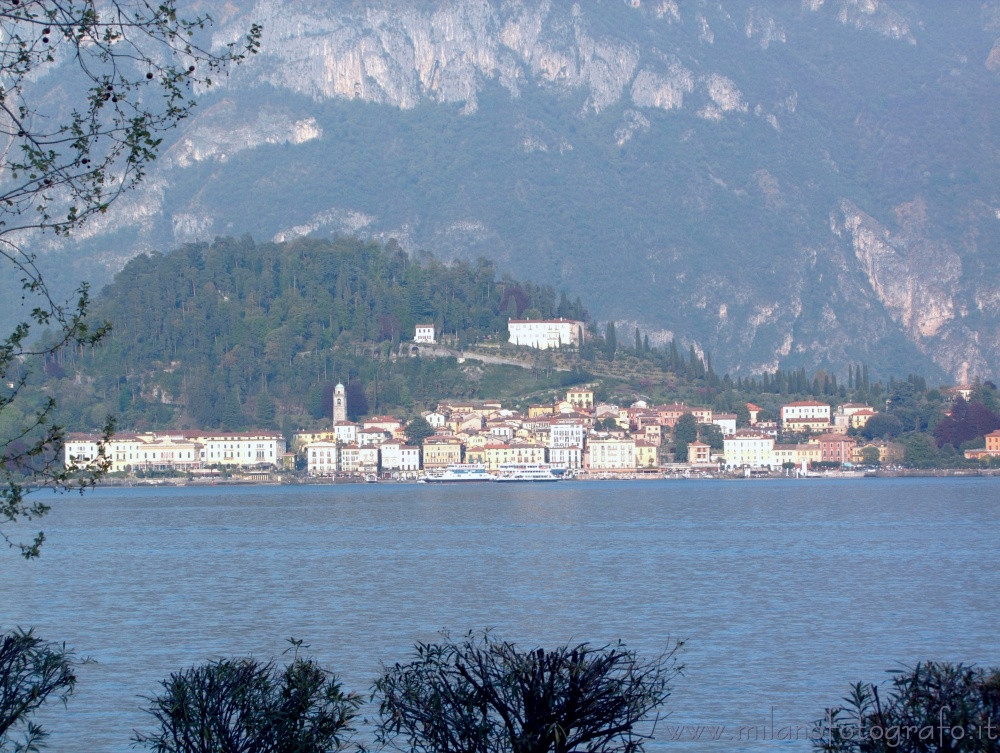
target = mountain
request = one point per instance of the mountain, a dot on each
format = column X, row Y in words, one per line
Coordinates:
column 796, row 184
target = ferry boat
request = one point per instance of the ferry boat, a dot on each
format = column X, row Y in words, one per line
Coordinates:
column 528, row 472
column 458, row 473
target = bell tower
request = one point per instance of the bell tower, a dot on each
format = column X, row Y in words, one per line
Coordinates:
column 339, row 403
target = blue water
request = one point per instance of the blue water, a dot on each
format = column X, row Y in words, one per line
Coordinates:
column 784, row 591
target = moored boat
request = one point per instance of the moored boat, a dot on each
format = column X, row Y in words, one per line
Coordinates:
column 528, row 472
column 458, row 473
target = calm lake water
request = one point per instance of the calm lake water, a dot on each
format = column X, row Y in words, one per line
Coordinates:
column 784, row 591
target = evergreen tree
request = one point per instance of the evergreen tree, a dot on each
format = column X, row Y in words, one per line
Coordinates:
column 264, row 415
column 232, row 412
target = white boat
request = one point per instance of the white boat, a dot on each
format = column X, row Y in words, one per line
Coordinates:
column 458, row 473
column 528, row 472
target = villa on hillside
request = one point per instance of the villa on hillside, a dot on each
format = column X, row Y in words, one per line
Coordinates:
column 424, row 333
column 545, row 333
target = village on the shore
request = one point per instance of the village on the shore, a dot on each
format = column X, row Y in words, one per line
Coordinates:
column 576, row 435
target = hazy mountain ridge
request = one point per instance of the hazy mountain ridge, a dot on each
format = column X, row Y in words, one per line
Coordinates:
column 778, row 183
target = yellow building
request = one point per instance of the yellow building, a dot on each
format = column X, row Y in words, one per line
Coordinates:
column 580, row 398
column 748, row 449
column 476, row 455
column 540, row 411
column 646, row 454
column 440, row 452
column 699, row 453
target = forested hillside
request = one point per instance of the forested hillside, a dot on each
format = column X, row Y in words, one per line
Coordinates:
column 236, row 333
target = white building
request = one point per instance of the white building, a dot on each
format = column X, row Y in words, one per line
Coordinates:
column 80, row 450
column 397, row 456
column 346, row 432
column 726, row 422
column 569, row 434
column 368, row 458
column 373, row 436
column 545, row 333
column 321, row 458
column 808, row 414
column 178, row 450
column 170, row 453
column 240, row 448
column 749, row 449
column 570, row 458
column 349, row 459
column 424, row 333
column 436, row 418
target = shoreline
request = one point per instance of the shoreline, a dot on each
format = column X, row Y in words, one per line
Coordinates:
column 604, row 477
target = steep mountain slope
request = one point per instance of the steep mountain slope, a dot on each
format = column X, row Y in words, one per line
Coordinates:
column 805, row 183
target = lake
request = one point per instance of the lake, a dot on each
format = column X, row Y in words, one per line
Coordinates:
column 785, row 592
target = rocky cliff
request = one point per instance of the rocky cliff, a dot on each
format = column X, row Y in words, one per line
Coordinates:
column 779, row 183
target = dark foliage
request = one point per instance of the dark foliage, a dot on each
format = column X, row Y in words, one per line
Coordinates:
column 417, row 431
column 685, row 432
column 967, row 421
column 931, row 707
column 881, row 426
column 32, row 672
column 483, row 695
column 357, row 402
column 245, row 706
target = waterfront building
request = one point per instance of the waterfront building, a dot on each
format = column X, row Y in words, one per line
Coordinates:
column 321, row 458
column 749, row 449
column 440, row 452
column 570, row 458
column 610, row 454
column 396, row 456
column 248, row 448
column 350, row 459
column 646, row 454
column 699, row 453
column 835, row 448
column 368, row 456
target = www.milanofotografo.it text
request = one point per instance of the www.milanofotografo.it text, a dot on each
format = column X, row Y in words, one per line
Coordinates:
column 940, row 732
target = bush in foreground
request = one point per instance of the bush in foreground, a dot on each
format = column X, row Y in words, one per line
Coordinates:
column 931, row 707
column 245, row 706
column 32, row 672
column 483, row 695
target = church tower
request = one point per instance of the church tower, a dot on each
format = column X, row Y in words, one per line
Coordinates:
column 339, row 403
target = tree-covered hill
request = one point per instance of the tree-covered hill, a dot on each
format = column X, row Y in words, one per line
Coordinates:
column 235, row 333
